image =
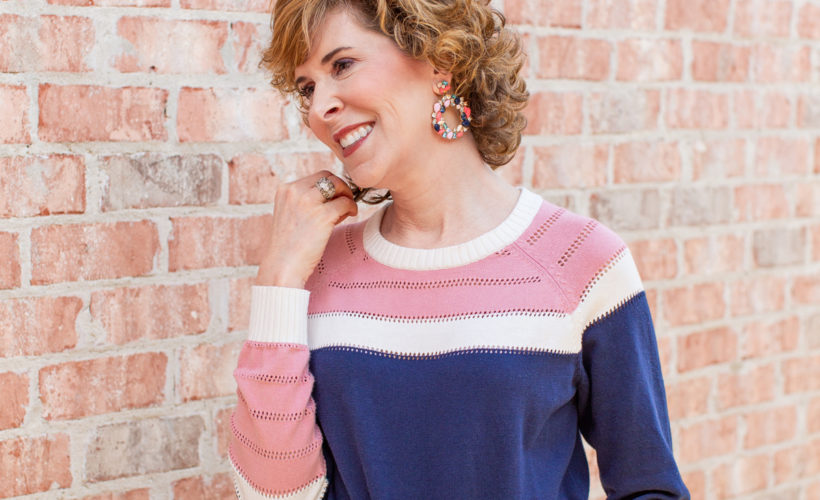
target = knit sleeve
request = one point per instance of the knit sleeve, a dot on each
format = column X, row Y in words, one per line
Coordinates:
column 622, row 401
column 276, row 444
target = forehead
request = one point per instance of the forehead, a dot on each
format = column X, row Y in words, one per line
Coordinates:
column 338, row 28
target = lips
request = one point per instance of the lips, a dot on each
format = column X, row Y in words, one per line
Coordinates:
column 351, row 137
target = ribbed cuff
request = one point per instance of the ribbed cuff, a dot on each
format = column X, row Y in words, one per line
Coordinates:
column 278, row 314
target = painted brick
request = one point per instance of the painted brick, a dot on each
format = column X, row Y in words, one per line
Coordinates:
column 708, row 438
column 808, row 111
column 698, row 206
column 626, row 209
column 689, row 398
column 559, row 13
column 756, row 109
column 619, row 14
column 770, row 426
column 573, row 58
column 808, row 25
column 797, row 462
column 779, row 246
column 697, row 15
column 151, row 312
column 113, row 3
column 624, row 110
column 216, row 487
column 103, row 385
column 709, row 255
column 656, row 259
column 763, row 18
column 200, row 242
column 746, row 386
column 253, row 178
column 143, row 447
column 761, row 202
column 228, row 115
column 47, row 43
column 570, row 166
column 762, row 339
column 777, row 157
column 141, row 494
column 801, row 374
column 38, row 325
column 240, row 303
column 554, row 113
column 171, row 46
column 707, row 347
column 14, row 114
column 147, row 180
column 85, row 113
column 697, row 109
column 222, row 424
column 42, row 185
column 247, row 42
column 34, row 464
column 716, row 159
column 720, row 62
column 806, row 290
column 761, row 293
column 93, row 251
column 239, row 5
column 207, row 371
column 655, row 161
column 781, row 63
column 14, row 394
column 10, row 265
column 649, row 60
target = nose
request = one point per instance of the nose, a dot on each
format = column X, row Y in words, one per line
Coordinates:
column 325, row 103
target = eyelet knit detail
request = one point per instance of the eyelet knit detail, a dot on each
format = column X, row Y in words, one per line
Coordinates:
column 588, row 228
column 443, row 318
column 309, row 410
column 349, row 239
column 544, row 227
column 274, row 379
column 601, row 271
column 425, row 285
column 479, row 349
column 277, row 455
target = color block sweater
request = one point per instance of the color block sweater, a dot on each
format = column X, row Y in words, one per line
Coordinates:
column 465, row 372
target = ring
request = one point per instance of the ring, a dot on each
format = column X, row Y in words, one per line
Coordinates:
column 326, row 187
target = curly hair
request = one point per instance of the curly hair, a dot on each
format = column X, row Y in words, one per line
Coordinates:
column 464, row 37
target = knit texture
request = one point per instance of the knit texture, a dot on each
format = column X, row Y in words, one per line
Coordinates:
column 470, row 371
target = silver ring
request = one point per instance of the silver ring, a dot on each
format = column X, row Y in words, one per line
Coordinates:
column 326, row 187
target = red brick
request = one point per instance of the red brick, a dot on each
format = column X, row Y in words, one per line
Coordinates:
column 216, row 487
column 207, row 371
column 626, row 209
column 707, row 439
column 812, row 329
column 808, row 111
column 618, row 14
column 756, row 109
column 171, row 46
column 813, row 416
column 697, row 15
column 762, row 293
column 570, row 166
column 806, row 290
column 624, row 111
column 808, row 25
column 808, row 199
column 777, row 157
column 141, row 494
column 200, row 242
column 573, row 58
column 42, row 185
column 817, row 156
column 782, row 63
column 649, row 60
column 794, row 463
column 254, row 177
column 695, row 481
column 699, row 206
column 717, row 159
column 762, row 339
column 93, row 251
column 770, row 426
column 113, row 3
column 103, row 385
column 718, row 254
column 563, row 13
column 221, row 5
column 47, row 43
column 14, row 114
column 38, row 325
column 763, row 18
column 697, row 109
column 720, row 62
column 34, row 464
column 551, row 113
column 747, row 386
column 707, row 347
column 753, row 473
column 656, row 259
column 247, row 42
column 85, row 113
column 222, row 424
column 689, row 398
column 815, row 243
column 761, row 202
column 240, row 303
column 801, row 374
column 14, row 394
column 228, row 115
column 780, row 246
column 10, row 266
column 655, row 161
column 151, row 312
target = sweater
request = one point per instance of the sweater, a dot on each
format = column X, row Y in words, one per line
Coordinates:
column 472, row 371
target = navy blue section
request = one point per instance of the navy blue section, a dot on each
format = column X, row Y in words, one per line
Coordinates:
column 622, row 406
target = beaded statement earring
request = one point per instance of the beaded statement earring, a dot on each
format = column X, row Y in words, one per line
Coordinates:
column 447, row 100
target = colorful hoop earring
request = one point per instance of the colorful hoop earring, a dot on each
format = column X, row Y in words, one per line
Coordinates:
column 447, row 100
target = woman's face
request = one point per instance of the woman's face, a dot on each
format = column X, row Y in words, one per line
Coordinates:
column 367, row 101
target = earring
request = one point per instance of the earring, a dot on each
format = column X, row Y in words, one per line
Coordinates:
column 447, row 100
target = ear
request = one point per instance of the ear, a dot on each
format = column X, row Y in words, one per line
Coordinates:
column 438, row 77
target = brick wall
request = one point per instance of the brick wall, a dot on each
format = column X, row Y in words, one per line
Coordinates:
column 139, row 149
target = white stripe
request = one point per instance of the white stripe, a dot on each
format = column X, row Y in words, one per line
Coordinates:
column 244, row 491
column 617, row 285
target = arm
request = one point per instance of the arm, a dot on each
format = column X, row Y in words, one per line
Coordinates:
column 276, row 445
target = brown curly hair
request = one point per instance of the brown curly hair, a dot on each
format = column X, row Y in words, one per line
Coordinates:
column 464, row 37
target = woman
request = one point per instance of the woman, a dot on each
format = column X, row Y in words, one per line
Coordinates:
column 459, row 342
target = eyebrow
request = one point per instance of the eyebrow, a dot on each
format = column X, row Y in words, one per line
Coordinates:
column 325, row 60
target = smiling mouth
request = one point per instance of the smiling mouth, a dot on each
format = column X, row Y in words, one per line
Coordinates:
column 356, row 135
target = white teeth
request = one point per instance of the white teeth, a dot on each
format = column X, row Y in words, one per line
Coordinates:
column 355, row 135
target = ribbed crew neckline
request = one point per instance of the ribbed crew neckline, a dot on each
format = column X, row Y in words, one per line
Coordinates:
column 426, row 259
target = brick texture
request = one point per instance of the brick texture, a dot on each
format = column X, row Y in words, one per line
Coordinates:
column 39, row 325
column 14, row 392
column 32, row 465
column 43, row 185
column 10, row 268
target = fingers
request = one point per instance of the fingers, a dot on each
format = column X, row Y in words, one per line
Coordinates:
column 342, row 189
column 341, row 208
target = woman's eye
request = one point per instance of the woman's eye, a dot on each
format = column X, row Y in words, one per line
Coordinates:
column 341, row 65
column 306, row 91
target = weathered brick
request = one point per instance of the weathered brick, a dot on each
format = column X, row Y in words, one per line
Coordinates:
column 103, row 385
column 83, row 113
column 695, row 481
column 720, row 62
column 627, row 209
column 756, row 109
column 770, row 426
column 158, row 45
column 560, row 13
column 761, row 293
column 570, row 166
column 813, row 415
column 781, row 63
column 550, row 113
column 10, row 265
column 34, row 464
column 254, row 177
column 746, row 386
column 146, row 180
column 143, row 447
column 42, row 185
column 808, row 199
column 806, row 289
column 762, row 339
column 619, row 14
column 656, row 258
column 707, row 347
column 222, row 5
column 247, row 42
column 141, row 494
column 656, row 161
column 763, row 18
column 761, row 202
column 239, row 309
column 624, row 110
column 708, row 255
column 777, row 157
column 689, row 398
column 14, row 394
column 797, row 462
column 815, row 243
column 93, row 251
column 716, row 159
column 697, row 15
column 707, row 439
column 200, row 242
column 801, row 374
column 46, row 43
column 228, row 115
column 780, row 246
column 753, row 473
column 222, row 424
column 697, row 109
column 207, row 371
column 216, row 487
column 151, row 312
column 38, row 325
column 649, row 60
column 812, row 330
column 14, row 114
column 808, row 111
column 817, row 156
column 808, row 25
column 699, row 206
column 573, row 58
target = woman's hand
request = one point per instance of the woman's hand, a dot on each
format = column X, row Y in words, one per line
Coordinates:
column 302, row 223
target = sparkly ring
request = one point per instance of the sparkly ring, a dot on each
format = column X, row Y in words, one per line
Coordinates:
column 326, row 187
column 440, row 125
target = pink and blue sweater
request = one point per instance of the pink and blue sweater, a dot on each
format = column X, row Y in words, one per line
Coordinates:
column 465, row 372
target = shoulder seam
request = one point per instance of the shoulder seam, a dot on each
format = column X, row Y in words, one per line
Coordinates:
column 546, row 271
